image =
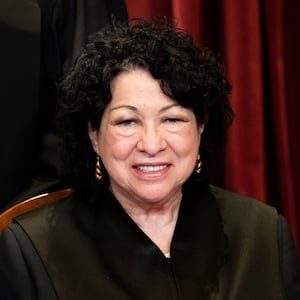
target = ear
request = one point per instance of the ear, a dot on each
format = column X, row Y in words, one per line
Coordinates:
column 93, row 135
column 201, row 128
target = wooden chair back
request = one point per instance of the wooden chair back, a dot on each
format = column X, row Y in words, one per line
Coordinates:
column 6, row 217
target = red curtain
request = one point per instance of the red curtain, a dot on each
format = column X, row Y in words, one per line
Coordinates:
column 258, row 41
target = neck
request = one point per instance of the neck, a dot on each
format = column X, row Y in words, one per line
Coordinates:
column 157, row 220
column 159, row 225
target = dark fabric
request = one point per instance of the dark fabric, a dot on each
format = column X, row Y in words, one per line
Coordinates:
column 22, row 276
column 19, row 89
column 110, row 253
column 290, row 273
column 100, row 253
column 253, row 250
column 66, row 24
column 48, row 166
column 39, row 41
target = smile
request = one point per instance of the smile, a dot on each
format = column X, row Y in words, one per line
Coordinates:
column 151, row 168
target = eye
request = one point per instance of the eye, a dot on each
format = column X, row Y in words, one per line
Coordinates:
column 128, row 122
column 173, row 120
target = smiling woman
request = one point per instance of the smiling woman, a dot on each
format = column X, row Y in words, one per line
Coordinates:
column 139, row 113
column 148, row 148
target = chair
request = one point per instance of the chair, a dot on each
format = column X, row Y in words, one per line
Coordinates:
column 6, row 218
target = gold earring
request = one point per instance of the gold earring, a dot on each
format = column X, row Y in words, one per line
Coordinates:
column 198, row 165
column 98, row 173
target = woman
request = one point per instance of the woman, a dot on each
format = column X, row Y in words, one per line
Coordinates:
column 141, row 112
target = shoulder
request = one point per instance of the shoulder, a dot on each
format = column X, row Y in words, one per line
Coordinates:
column 233, row 205
column 250, row 225
column 23, row 248
column 46, row 214
column 22, row 274
column 247, row 222
column 230, row 198
column 259, row 237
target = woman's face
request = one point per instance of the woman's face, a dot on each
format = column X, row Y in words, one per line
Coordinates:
column 146, row 141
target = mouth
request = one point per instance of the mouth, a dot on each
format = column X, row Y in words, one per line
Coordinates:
column 148, row 169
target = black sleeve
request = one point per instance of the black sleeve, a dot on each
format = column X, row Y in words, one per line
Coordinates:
column 289, row 261
column 22, row 275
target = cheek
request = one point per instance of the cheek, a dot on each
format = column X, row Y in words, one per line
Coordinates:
column 187, row 143
column 113, row 147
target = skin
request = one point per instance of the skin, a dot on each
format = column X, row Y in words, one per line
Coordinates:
column 149, row 146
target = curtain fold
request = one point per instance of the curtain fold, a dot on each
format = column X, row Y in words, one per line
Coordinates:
column 259, row 45
column 277, row 92
column 244, row 156
column 186, row 16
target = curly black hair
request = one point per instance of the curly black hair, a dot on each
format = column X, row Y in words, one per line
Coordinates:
column 188, row 73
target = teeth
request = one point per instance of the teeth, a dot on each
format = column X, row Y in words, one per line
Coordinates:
column 151, row 168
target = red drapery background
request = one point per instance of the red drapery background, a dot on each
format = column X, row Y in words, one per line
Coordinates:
column 258, row 41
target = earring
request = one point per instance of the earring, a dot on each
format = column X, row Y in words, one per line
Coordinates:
column 98, row 173
column 198, row 165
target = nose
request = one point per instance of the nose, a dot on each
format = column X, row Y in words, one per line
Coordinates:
column 151, row 140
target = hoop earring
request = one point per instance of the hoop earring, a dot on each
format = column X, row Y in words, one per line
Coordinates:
column 198, row 168
column 98, row 172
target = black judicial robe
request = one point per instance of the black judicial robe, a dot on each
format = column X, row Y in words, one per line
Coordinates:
column 39, row 41
column 225, row 246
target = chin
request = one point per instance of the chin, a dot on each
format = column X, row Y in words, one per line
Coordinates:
column 153, row 195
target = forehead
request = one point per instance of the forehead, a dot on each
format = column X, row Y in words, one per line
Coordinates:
column 138, row 87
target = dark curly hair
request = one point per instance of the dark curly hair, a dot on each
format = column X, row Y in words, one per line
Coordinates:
column 188, row 73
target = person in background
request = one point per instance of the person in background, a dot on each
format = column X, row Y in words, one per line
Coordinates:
column 141, row 113
column 39, row 41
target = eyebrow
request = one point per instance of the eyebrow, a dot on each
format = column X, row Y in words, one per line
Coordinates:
column 133, row 108
column 124, row 106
